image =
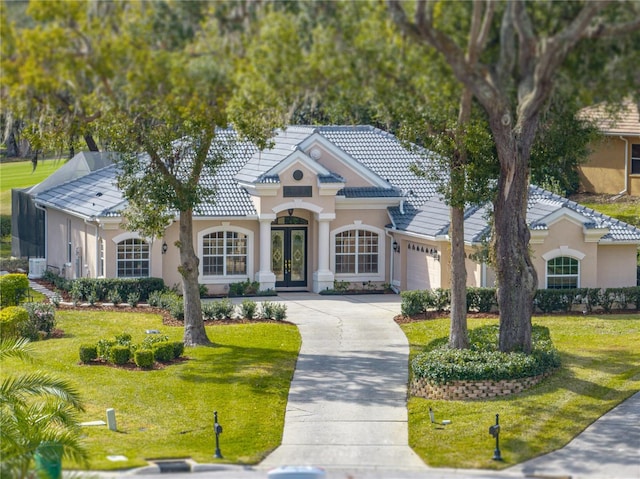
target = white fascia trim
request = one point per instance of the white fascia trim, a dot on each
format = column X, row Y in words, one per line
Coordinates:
column 303, row 158
column 538, row 236
column 593, row 235
column 47, row 205
column 329, row 189
column 343, row 203
column 226, row 218
column 347, row 159
column 436, row 238
column 564, row 213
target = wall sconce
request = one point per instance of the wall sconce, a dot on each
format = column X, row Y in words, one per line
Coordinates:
column 164, row 247
column 396, row 246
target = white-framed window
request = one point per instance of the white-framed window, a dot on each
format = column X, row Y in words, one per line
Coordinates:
column 563, row 272
column 635, row 158
column 225, row 252
column 358, row 253
column 132, row 258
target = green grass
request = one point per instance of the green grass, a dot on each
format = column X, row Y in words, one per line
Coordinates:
column 169, row 412
column 601, row 368
column 20, row 174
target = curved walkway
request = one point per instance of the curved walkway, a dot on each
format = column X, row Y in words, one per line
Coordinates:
column 347, row 406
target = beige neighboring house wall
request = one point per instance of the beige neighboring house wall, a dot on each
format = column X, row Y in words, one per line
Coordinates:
column 611, row 167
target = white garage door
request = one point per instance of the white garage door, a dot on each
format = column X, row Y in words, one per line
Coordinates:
column 423, row 271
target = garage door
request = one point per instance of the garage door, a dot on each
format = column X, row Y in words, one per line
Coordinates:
column 423, row 271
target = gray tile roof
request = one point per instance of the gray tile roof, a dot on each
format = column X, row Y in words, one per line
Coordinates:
column 422, row 211
column 92, row 195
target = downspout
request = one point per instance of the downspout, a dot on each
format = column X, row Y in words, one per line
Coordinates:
column 46, row 231
column 626, row 165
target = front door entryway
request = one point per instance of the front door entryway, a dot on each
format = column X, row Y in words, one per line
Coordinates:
column 289, row 256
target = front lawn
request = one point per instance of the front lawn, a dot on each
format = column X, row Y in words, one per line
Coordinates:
column 168, row 413
column 600, row 368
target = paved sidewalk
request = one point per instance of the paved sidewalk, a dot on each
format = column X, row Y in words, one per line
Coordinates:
column 347, row 402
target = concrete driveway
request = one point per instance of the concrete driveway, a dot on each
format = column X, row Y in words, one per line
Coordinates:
column 347, row 406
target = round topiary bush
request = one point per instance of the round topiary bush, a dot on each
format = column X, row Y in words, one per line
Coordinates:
column 143, row 358
column 88, row 353
column 13, row 287
column 178, row 348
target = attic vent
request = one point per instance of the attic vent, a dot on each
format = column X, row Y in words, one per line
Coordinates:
column 98, row 193
column 315, row 153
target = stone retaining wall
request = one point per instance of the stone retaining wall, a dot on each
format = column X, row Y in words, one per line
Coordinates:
column 470, row 390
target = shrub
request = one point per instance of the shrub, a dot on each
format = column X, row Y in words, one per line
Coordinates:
column 76, row 293
column 124, row 286
column 163, row 352
column 243, row 288
column 248, row 309
column 416, row 302
column 88, row 353
column 222, row 309
column 178, row 348
column 176, row 308
column 154, row 299
column 42, row 320
column 56, row 299
column 204, row 291
column 280, row 312
column 133, row 299
column 143, row 358
column 104, row 348
column 149, row 341
column 114, row 297
column 481, row 299
column 11, row 320
column 119, row 354
column 268, row 310
column 483, row 361
column 13, row 289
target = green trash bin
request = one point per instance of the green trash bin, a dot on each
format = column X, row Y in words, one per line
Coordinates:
column 48, row 459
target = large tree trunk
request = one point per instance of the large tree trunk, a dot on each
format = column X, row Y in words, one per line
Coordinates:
column 516, row 276
column 458, row 335
column 194, row 331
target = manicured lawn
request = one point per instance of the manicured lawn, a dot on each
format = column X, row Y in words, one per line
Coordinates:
column 169, row 412
column 601, row 368
column 20, row 174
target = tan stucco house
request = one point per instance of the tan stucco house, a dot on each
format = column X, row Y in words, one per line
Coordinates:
column 613, row 167
column 324, row 204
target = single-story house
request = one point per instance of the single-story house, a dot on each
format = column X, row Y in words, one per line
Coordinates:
column 325, row 204
column 613, row 167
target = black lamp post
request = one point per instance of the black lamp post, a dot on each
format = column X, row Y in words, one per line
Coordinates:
column 495, row 432
column 217, row 428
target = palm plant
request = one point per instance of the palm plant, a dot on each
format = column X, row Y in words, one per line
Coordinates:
column 35, row 409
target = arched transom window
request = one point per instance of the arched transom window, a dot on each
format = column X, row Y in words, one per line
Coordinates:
column 563, row 272
column 356, row 252
column 224, row 253
column 133, row 258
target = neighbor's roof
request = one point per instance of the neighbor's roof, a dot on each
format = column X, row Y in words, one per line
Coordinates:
column 625, row 121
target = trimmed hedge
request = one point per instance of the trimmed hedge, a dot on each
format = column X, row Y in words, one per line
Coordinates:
column 163, row 352
column 11, row 320
column 106, row 289
column 13, row 288
column 143, row 358
column 483, row 361
column 88, row 353
column 546, row 300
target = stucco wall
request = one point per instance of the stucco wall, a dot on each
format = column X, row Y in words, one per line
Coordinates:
column 616, row 266
column 604, row 171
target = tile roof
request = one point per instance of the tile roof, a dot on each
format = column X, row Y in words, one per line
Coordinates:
column 421, row 212
column 626, row 121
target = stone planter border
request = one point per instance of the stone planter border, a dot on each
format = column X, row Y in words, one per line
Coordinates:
column 471, row 390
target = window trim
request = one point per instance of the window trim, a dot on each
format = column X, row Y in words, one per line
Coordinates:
column 133, row 237
column 635, row 160
column 359, row 277
column 546, row 270
column 225, row 279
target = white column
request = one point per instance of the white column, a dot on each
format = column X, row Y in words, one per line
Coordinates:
column 323, row 277
column 265, row 276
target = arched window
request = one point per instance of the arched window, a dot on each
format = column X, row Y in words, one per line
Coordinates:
column 133, row 258
column 563, row 272
column 224, row 253
column 356, row 252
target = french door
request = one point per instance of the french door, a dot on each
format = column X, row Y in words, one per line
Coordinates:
column 289, row 256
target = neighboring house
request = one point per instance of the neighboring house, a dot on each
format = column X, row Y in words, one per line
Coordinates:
column 325, row 204
column 613, row 166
